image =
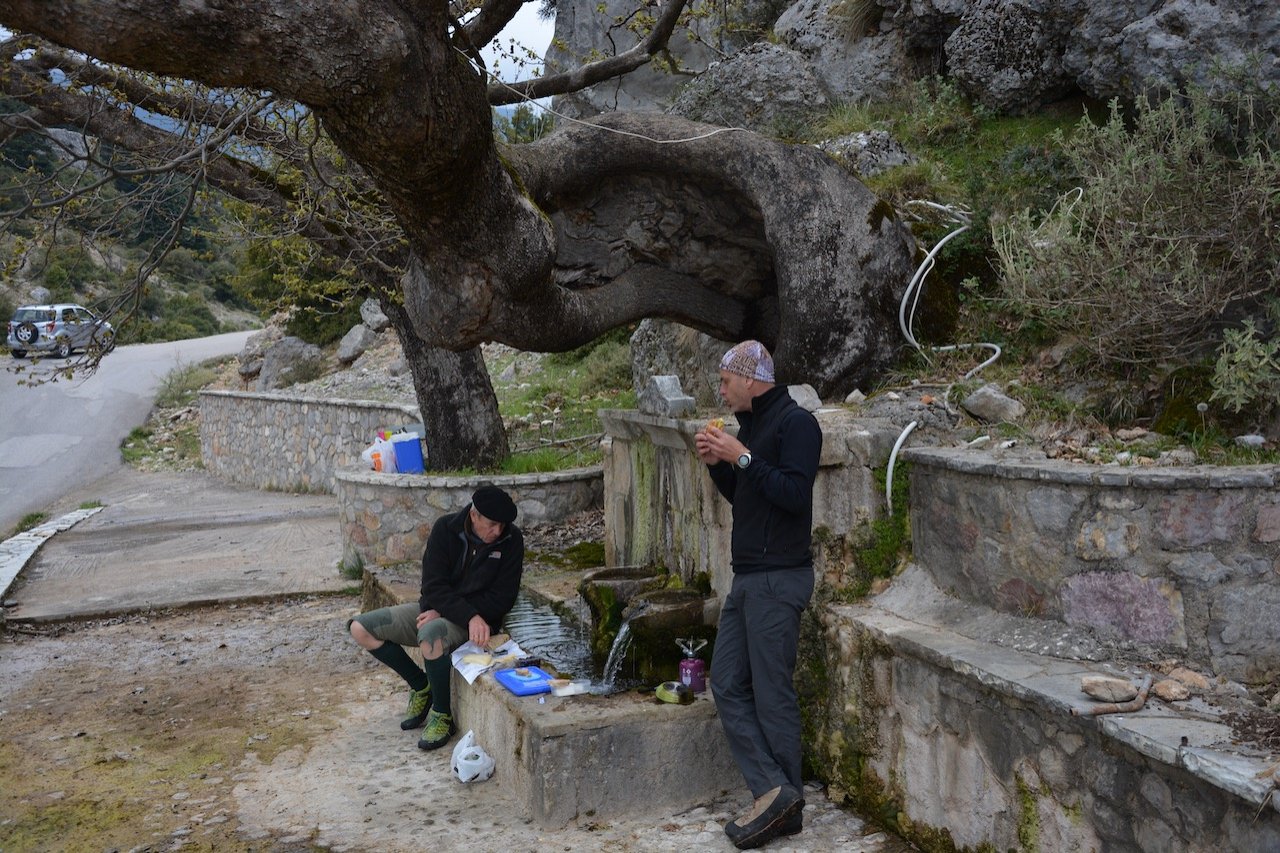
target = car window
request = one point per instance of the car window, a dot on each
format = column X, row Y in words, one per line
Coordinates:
column 69, row 315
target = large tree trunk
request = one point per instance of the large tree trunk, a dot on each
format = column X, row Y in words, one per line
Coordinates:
column 457, row 401
column 550, row 244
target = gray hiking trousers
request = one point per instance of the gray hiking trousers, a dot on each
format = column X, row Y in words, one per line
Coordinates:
column 751, row 674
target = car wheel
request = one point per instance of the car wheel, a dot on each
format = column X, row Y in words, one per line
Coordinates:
column 63, row 348
column 107, row 342
column 19, row 353
column 26, row 333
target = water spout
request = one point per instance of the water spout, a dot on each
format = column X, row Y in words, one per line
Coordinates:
column 617, row 654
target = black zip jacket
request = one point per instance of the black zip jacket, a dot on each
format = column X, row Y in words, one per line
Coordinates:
column 773, row 498
column 461, row 578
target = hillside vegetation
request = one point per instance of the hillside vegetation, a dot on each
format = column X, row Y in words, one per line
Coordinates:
column 1124, row 257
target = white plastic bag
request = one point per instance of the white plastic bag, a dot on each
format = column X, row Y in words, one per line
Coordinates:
column 470, row 762
column 380, row 456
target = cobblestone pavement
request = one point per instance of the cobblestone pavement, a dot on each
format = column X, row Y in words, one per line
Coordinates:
column 261, row 727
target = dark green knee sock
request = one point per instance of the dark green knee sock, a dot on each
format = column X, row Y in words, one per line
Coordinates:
column 438, row 674
column 398, row 659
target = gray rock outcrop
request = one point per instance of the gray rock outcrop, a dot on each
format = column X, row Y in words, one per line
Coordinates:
column 287, row 361
column 251, row 356
column 355, row 342
column 868, row 153
column 371, row 315
column 764, row 87
column 842, row 41
column 583, row 32
column 1014, row 57
column 660, row 347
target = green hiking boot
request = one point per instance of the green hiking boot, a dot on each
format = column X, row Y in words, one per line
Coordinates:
column 439, row 729
column 419, row 705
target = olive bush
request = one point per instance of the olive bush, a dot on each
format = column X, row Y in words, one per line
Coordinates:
column 1170, row 236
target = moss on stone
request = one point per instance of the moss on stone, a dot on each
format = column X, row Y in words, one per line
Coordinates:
column 875, row 549
column 1028, row 816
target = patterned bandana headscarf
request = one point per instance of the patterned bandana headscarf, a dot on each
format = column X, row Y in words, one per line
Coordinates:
column 749, row 359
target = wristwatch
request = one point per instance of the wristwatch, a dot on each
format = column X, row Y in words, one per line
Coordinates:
column 744, row 460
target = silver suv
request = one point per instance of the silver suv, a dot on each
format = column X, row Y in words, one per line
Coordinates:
column 59, row 329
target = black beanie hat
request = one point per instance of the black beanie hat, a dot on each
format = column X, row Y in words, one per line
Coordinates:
column 494, row 504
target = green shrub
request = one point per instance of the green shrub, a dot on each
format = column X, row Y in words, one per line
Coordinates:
column 1170, row 229
column 1247, row 372
column 180, row 386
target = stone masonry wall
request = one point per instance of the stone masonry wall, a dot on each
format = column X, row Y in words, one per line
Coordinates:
column 276, row 441
column 957, row 757
column 1185, row 559
column 386, row 518
column 661, row 507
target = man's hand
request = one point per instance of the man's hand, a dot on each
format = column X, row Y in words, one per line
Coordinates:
column 716, row 445
column 478, row 630
column 426, row 616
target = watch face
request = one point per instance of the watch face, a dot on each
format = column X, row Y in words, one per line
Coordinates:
column 744, row 460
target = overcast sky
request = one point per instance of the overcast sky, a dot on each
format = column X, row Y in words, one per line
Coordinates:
column 527, row 29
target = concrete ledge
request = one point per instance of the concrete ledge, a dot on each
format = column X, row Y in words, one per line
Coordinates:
column 975, row 741
column 579, row 756
column 584, row 756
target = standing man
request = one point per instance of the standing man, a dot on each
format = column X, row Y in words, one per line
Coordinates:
column 470, row 576
column 767, row 474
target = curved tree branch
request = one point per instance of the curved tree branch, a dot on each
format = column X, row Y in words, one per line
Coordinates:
column 593, row 72
column 489, row 21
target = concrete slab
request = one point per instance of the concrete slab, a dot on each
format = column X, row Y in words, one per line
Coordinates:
column 569, row 758
column 172, row 540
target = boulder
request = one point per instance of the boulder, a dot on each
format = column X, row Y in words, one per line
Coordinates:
column 355, row 342
column 663, row 348
column 805, row 396
column 869, row 152
column 992, row 405
column 371, row 315
column 846, row 48
column 587, row 28
column 289, row 360
column 1009, row 57
column 255, row 347
column 40, row 295
column 765, row 87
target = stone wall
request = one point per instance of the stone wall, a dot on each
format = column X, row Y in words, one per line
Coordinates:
column 1182, row 559
column 661, row 508
column 386, row 518
column 959, row 745
column 287, row 443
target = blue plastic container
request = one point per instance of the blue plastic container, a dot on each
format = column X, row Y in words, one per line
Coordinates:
column 408, row 453
column 524, row 681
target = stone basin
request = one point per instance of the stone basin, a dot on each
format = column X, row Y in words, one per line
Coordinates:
column 597, row 756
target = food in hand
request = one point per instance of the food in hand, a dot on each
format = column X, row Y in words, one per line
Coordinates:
column 718, row 423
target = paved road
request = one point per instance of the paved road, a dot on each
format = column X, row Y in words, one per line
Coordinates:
column 59, row 436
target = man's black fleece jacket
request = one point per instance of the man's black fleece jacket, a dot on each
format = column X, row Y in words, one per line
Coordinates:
column 773, row 498
column 461, row 578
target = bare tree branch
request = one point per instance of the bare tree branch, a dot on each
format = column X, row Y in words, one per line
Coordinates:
column 489, row 21
column 593, row 72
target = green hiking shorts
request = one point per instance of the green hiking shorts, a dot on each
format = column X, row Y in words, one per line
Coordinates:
column 398, row 624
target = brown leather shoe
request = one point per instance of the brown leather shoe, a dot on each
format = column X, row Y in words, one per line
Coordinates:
column 776, row 813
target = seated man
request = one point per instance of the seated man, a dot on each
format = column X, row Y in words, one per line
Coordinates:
column 470, row 576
